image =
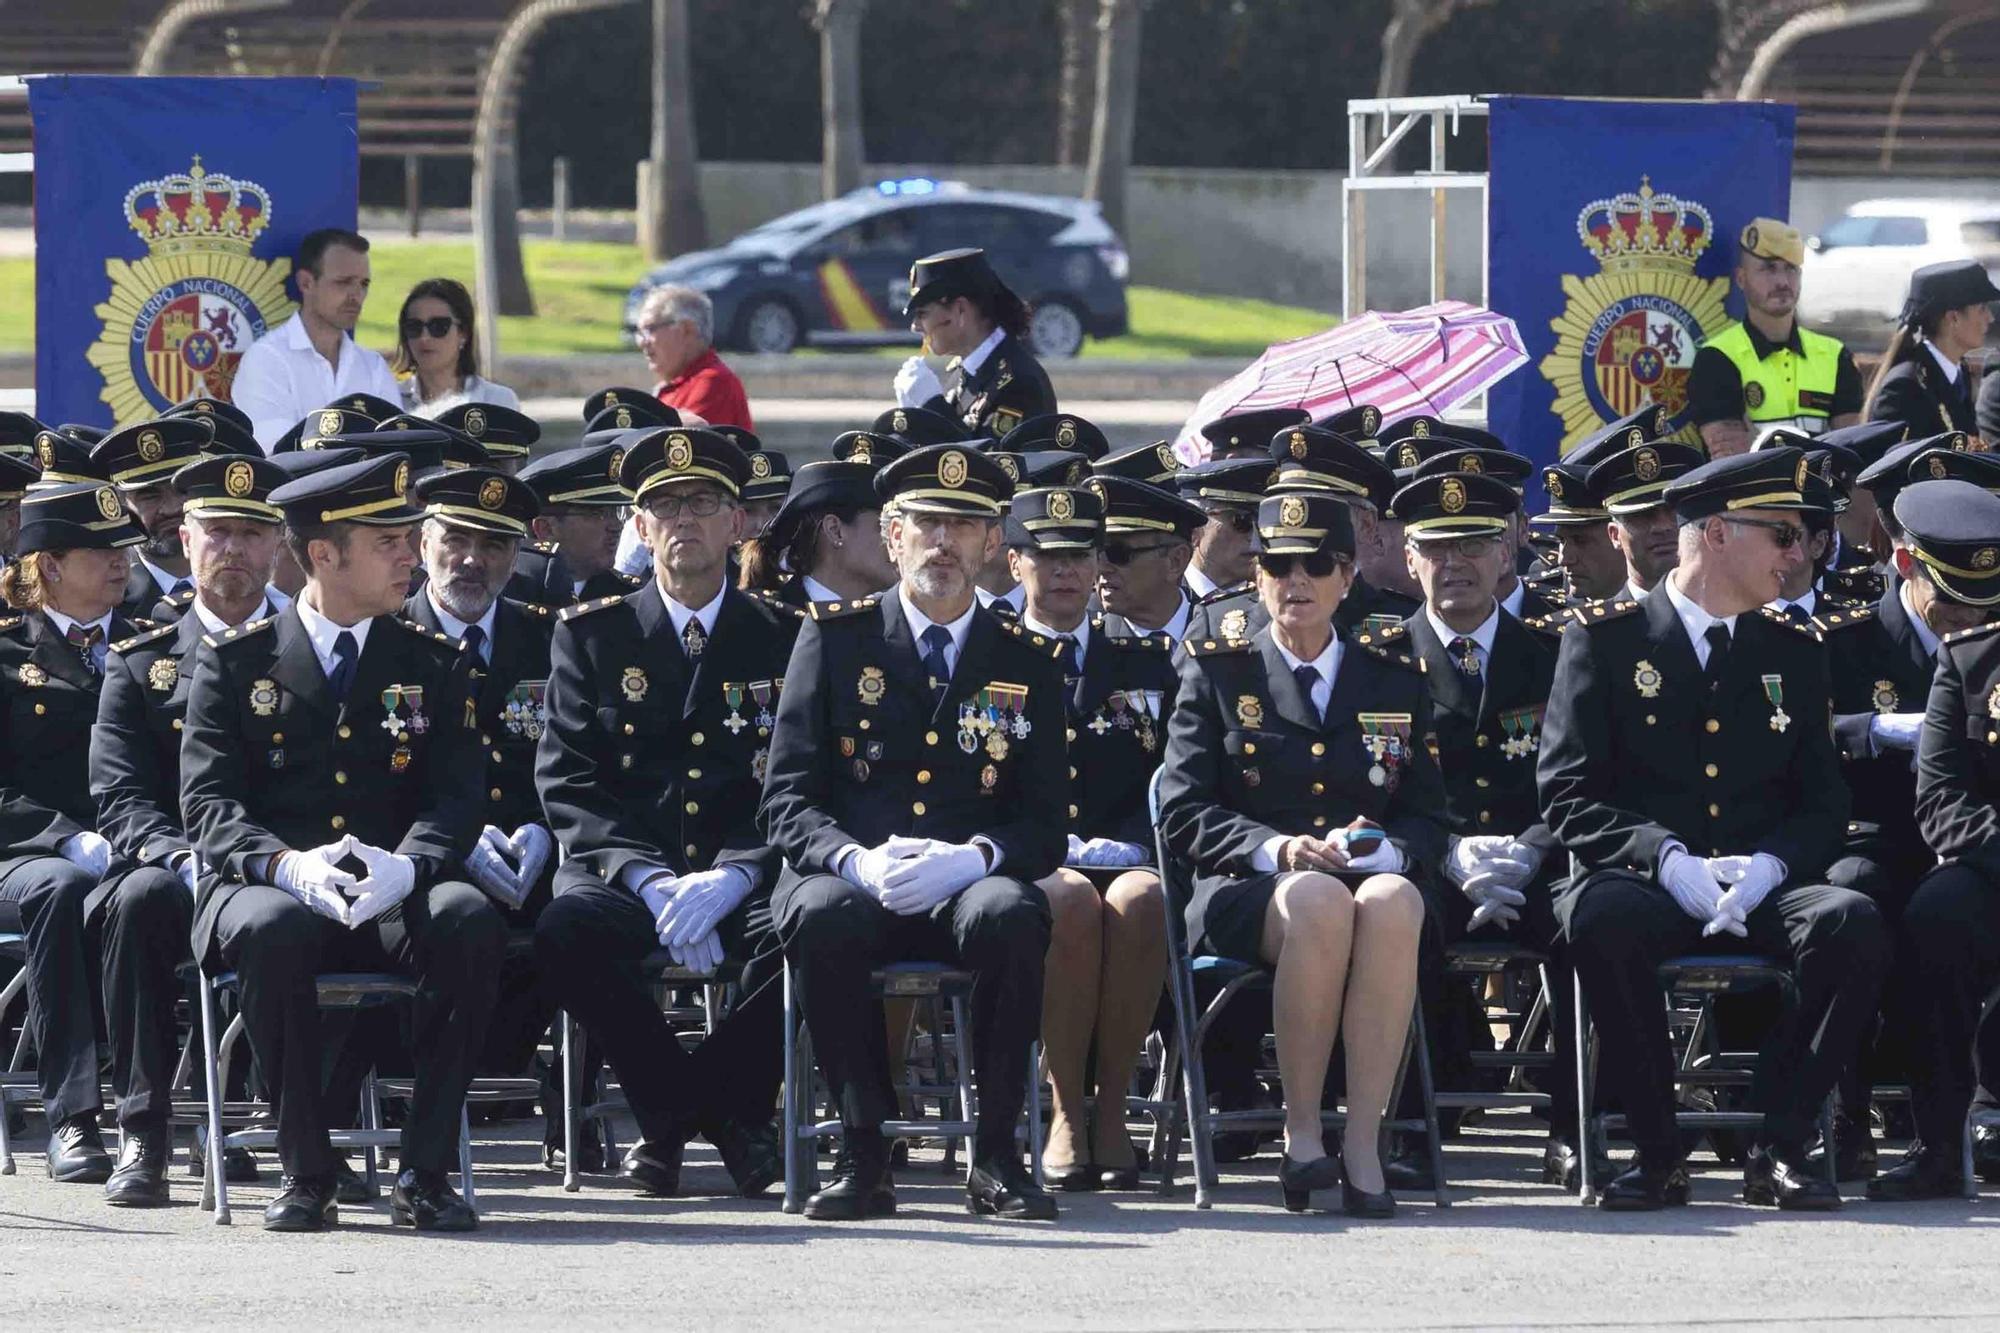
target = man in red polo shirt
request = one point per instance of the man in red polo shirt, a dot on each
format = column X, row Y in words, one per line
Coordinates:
column 676, row 326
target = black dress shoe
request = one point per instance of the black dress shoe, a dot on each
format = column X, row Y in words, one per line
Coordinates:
column 349, row 1185
column 1854, row 1153
column 654, row 1167
column 1297, row 1180
column 425, row 1200
column 140, row 1179
column 1359, row 1203
column 1004, row 1188
column 1773, row 1177
column 305, row 1203
column 1119, row 1177
column 1924, row 1173
column 1986, row 1154
column 589, row 1148
column 752, row 1154
column 76, row 1152
column 1076, row 1178
column 1643, row 1189
column 862, row 1186
column 239, row 1165
column 1409, row 1168
column 1562, row 1165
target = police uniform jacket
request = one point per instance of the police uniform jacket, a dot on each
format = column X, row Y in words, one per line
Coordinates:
column 1237, row 612
column 540, row 576
column 1879, row 666
column 1248, row 760
column 1009, row 387
column 509, row 694
column 51, row 702
column 1636, row 751
column 135, row 746
column 142, row 594
column 648, row 758
column 862, row 754
column 1958, row 755
column 271, row 761
column 1118, row 710
column 1916, row 393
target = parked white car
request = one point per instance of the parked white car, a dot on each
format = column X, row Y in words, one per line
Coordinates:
column 1858, row 269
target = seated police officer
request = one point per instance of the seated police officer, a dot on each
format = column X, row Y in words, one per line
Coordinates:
column 1633, row 481
column 507, row 435
column 918, row 789
column 1148, row 539
column 331, row 739
column 825, row 544
column 661, row 708
column 230, row 532
column 1946, row 960
column 141, row 460
column 1107, row 953
column 1299, row 786
column 1685, row 768
column 54, row 885
column 577, row 528
column 1591, row 567
column 1227, row 490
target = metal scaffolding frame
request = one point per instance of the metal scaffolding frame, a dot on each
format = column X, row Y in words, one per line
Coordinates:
column 1399, row 116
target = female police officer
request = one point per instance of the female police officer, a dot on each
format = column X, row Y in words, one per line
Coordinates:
column 1299, row 786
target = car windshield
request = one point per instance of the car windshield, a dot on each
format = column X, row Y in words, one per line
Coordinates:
column 1847, row 231
column 1982, row 233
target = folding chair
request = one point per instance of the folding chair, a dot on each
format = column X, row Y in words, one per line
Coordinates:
column 14, row 947
column 1975, row 1118
column 894, row 981
column 1527, row 1027
column 1191, row 1029
column 1702, row 1065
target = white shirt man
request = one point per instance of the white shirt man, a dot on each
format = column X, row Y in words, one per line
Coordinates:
column 282, row 377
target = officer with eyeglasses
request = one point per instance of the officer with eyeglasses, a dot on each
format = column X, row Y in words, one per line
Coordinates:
column 1686, row 766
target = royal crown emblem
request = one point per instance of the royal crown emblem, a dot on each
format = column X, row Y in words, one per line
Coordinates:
column 178, row 320
column 1628, row 333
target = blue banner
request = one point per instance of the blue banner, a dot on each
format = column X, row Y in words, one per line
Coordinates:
column 1611, row 233
column 166, row 215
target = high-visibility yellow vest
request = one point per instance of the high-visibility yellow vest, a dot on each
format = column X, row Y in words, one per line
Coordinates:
column 1785, row 386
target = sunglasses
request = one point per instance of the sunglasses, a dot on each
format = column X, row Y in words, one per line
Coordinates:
column 1784, row 535
column 1122, row 556
column 1239, row 520
column 436, row 328
column 1318, row 565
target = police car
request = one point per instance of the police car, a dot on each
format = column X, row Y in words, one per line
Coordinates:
column 838, row 273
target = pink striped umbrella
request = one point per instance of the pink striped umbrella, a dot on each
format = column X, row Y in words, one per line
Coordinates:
column 1424, row 360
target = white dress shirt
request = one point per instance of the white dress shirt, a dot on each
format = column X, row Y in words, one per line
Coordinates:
column 1511, row 603
column 1200, row 584
column 1805, row 603
column 1016, row 597
column 103, row 622
column 1482, row 637
column 680, row 615
column 976, row 358
column 323, row 633
column 214, row 624
column 161, row 578
column 455, row 627
column 919, row 622
column 470, row 390
column 1697, row 621
column 1176, row 625
column 1949, row 367
column 1265, row 858
column 282, row 377
column 817, row 591
column 1081, row 633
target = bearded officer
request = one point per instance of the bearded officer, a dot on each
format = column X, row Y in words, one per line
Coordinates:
column 918, row 790
column 141, row 461
column 333, row 783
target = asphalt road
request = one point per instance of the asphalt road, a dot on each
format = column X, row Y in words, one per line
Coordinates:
column 1507, row 1253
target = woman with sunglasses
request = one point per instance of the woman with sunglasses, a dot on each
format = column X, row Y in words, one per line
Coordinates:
column 1300, row 788
column 436, row 356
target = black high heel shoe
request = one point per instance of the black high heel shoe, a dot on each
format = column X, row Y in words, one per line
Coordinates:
column 1359, row 1203
column 1297, row 1180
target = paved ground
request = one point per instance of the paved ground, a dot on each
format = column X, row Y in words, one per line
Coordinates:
column 1506, row 1254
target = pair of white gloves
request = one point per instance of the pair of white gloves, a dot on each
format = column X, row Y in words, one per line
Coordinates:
column 687, row 909
column 1106, row 852
column 1897, row 731
column 506, row 867
column 1492, row 870
column 917, row 383
column 910, row 876
column 316, row 880
column 1720, row 891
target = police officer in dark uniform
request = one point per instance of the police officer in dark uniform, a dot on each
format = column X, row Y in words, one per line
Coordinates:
column 1107, row 954
column 918, row 789
column 1063, row 431
column 17, row 473
column 661, row 711
column 913, row 428
column 233, row 434
column 1685, row 768
column 1248, row 434
column 1590, row 566
column 231, row 532
column 140, row 460
column 1633, row 482
column 1923, row 380
column 333, row 783
column 54, row 885
column 1148, row 541
column 770, row 477
column 505, row 434
column 1228, row 491
column 1947, row 961
column 965, row 312
column 579, row 495
column 1516, row 596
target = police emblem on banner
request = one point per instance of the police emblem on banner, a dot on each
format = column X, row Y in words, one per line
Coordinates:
column 178, row 320
column 1628, row 333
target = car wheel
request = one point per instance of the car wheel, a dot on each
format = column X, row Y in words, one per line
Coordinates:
column 769, row 326
column 1055, row 330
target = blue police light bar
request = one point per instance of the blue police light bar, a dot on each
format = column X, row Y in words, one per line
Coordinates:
column 908, row 185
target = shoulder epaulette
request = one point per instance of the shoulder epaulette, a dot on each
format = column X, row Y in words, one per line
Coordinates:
column 1002, row 609
column 181, row 598
column 1386, row 634
column 633, row 581
column 776, row 603
column 140, row 640
column 1958, row 636
column 1552, row 623
column 1846, row 616
column 1222, row 594
column 1033, row 638
column 1142, row 643
column 1214, row 647
column 1391, row 656
column 576, row 609
column 1806, row 627
column 1590, row 613
column 11, row 622
column 239, row 633
column 835, row 610
column 435, row 636
column 145, row 623
column 537, row 609
column 543, row 548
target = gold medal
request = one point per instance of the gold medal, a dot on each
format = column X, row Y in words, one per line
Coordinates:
column 1234, row 624
column 1886, row 697
column 871, row 686
column 1646, row 677
column 996, row 744
column 32, row 675
column 1249, row 711
column 163, row 673
column 989, row 778
column 399, row 760
column 263, row 697
column 633, row 683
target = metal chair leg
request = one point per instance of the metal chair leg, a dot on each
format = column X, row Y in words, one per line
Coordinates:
column 570, row 1057
column 961, row 1038
column 1586, row 1129
column 214, row 1187
column 1429, row 1089
column 371, row 1120
column 1035, row 1111
column 793, row 1198
column 465, row 1158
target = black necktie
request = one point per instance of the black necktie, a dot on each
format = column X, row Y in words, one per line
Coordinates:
column 345, row 654
column 693, row 640
column 180, row 586
column 936, row 639
column 1718, row 651
column 1796, row 612
column 1307, row 675
column 1466, row 653
column 1072, row 658
column 475, row 639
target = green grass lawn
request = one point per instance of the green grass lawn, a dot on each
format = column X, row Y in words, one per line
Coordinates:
column 580, row 294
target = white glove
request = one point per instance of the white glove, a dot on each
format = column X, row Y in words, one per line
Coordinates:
column 868, row 868
column 1493, row 910
column 1104, row 852
column 390, row 879
column 917, row 383
column 1750, row 880
column 1691, row 883
column 1387, row 858
column 312, row 878
column 1469, row 856
column 699, row 903
column 531, row 846
column 490, row 869
column 87, row 852
column 918, row 883
column 1895, row 731
column 701, row 955
column 1525, row 855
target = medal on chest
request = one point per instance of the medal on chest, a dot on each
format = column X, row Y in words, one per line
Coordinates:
column 1774, row 690
column 395, row 699
column 1386, row 738
column 525, row 711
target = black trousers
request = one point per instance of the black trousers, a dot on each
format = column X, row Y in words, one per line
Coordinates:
column 1948, row 960
column 836, row 934
column 117, row 960
column 1622, row 927
column 446, row 936
column 1886, row 871
column 588, row 946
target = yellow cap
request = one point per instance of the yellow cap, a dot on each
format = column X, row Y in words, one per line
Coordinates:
column 1768, row 238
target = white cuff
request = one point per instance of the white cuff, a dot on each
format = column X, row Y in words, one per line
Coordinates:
column 1265, row 858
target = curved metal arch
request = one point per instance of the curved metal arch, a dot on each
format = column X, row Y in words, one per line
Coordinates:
column 1918, row 58
column 177, row 17
column 331, row 46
